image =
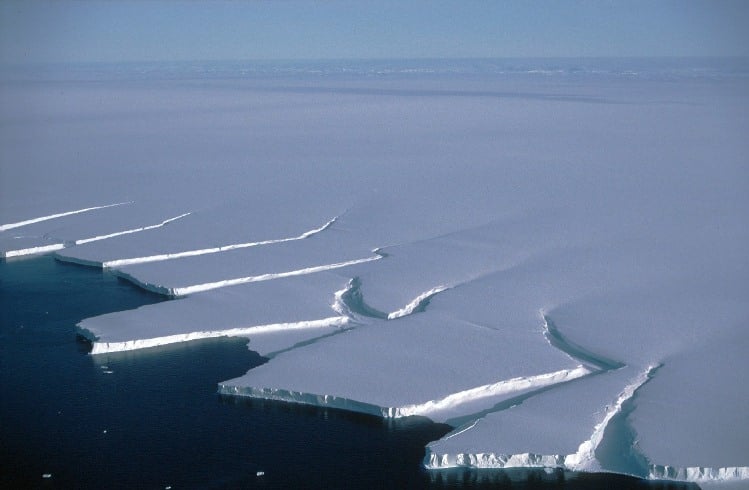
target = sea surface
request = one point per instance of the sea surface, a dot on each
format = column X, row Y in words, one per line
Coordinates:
column 152, row 418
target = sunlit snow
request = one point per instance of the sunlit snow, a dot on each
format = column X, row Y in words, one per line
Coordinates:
column 549, row 256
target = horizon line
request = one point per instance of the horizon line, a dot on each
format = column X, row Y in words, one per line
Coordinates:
column 374, row 59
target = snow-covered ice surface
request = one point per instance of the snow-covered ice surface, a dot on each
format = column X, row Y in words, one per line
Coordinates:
column 260, row 312
column 530, row 437
column 548, row 255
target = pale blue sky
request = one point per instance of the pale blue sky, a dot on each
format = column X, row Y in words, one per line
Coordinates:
column 39, row 31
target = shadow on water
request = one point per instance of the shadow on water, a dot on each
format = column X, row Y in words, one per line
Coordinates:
column 152, row 418
column 546, row 479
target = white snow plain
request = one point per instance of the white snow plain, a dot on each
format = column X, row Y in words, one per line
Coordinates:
column 550, row 256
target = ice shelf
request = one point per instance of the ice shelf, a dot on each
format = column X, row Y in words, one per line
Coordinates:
column 512, row 254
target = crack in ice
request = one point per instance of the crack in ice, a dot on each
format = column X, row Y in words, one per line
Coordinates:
column 350, row 301
column 427, row 409
column 10, row 226
column 108, row 347
column 205, row 251
column 582, row 460
column 490, row 390
column 418, row 304
column 199, row 288
column 585, row 458
column 576, row 352
column 133, row 230
column 60, row 246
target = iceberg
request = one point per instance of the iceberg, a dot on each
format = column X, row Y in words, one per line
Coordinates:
column 552, row 262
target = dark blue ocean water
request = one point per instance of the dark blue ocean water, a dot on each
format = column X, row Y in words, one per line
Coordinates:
column 152, row 419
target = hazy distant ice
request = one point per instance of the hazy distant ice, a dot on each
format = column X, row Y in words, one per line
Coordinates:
column 550, row 258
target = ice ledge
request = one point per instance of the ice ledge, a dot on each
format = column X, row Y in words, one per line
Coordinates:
column 108, row 347
column 582, row 460
column 176, row 292
column 433, row 407
column 324, row 401
column 698, row 473
column 430, row 409
column 492, row 460
column 32, row 250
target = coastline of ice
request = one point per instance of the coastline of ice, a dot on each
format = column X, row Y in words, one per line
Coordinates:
column 567, row 456
column 260, row 312
column 109, row 347
column 509, row 254
column 431, row 408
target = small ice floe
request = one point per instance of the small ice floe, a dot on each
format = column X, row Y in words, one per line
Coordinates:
column 168, row 487
column 260, row 473
column 107, row 372
column 104, row 431
column 47, row 475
